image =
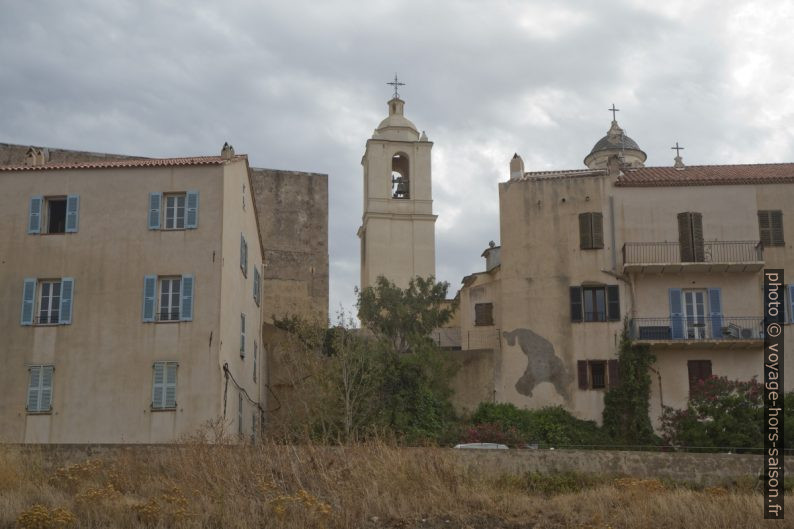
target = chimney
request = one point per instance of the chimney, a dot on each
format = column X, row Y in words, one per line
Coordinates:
column 516, row 167
column 34, row 157
column 227, row 152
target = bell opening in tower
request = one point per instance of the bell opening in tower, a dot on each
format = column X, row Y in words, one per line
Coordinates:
column 400, row 180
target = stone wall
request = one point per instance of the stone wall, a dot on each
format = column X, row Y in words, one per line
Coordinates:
column 11, row 154
column 473, row 379
column 293, row 223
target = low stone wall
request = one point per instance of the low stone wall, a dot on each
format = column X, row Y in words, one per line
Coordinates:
column 696, row 468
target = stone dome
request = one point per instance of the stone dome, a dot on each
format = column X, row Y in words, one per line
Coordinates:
column 615, row 143
column 396, row 126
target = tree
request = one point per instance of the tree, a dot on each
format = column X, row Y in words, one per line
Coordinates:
column 626, row 406
column 415, row 392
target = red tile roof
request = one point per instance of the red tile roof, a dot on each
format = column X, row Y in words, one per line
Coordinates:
column 708, row 175
column 126, row 163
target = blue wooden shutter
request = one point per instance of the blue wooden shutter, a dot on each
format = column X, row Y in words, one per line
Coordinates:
column 28, row 300
column 170, row 385
column 67, row 290
column 34, row 215
column 192, row 209
column 34, row 388
column 715, row 312
column 72, row 213
column 149, row 294
column 158, row 385
column 186, row 310
column 155, row 202
column 45, row 397
column 676, row 314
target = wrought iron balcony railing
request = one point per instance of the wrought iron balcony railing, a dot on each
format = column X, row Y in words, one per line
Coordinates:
column 697, row 328
column 709, row 252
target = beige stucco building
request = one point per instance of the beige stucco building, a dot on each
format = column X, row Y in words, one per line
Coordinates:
column 397, row 230
column 677, row 252
column 132, row 299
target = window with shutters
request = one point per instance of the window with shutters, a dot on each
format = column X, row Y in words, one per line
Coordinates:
column 47, row 301
column 53, row 215
column 698, row 370
column 595, row 303
column 483, row 314
column 39, row 398
column 164, row 385
column 690, row 237
column 770, row 226
column 173, row 211
column 598, row 374
column 168, row 298
column 591, row 231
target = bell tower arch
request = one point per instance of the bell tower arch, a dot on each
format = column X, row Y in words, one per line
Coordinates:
column 397, row 230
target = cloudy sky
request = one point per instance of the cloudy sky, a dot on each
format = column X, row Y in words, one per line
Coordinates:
column 301, row 84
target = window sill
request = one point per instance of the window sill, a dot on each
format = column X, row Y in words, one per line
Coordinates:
column 46, row 324
column 153, row 410
column 54, row 233
column 45, row 412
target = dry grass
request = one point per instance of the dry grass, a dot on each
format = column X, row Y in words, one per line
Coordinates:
column 369, row 485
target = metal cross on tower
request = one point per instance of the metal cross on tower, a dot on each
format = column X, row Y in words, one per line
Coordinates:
column 396, row 84
column 613, row 110
column 677, row 149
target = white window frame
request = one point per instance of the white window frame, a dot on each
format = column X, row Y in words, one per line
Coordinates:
column 171, row 315
column 51, row 305
column 173, row 216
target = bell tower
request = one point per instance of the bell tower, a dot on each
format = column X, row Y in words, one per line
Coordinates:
column 398, row 226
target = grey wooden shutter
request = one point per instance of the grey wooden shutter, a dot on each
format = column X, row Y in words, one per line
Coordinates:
column 34, row 388
column 243, row 255
column 776, row 224
column 585, row 231
column 613, row 303
column 581, row 370
column 67, row 291
column 576, row 303
column 192, row 210
column 158, row 385
column 45, row 398
column 186, row 299
column 34, row 214
column 28, row 300
column 155, row 203
column 72, row 213
column 170, row 385
column 597, row 223
column 686, row 238
column 613, row 366
column 257, row 285
column 149, row 295
column 256, row 354
column 697, row 237
column 242, row 335
column 765, row 227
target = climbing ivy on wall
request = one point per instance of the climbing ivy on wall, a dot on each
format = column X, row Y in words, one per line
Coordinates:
column 626, row 406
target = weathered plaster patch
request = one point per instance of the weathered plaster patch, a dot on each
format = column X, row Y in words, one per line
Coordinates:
column 543, row 365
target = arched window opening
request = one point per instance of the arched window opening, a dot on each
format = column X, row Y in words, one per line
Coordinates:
column 400, row 180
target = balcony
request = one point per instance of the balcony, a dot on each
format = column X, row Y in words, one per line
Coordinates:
column 713, row 256
column 710, row 332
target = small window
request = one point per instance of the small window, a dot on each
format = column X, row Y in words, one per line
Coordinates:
column 39, row 389
column 591, row 231
column 175, row 211
column 698, row 370
column 56, row 215
column 164, row 386
column 170, row 298
column 601, row 303
column 483, row 314
column 47, row 301
column 598, row 374
column 770, row 226
column 243, row 255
